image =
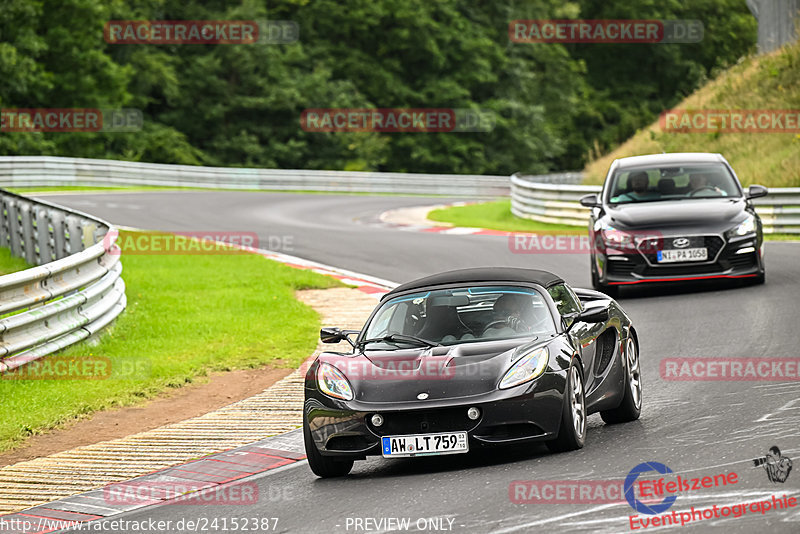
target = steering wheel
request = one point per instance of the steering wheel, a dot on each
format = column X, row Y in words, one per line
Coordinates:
column 493, row 324
column 703, row 188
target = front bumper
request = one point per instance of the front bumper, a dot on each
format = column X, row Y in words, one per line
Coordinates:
column 733, row 259
column 530, row 412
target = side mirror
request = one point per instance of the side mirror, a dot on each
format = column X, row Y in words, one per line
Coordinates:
column 331, row 335
column 590, row 201
column 335, row 335
column 592, row 315
column 756, row 191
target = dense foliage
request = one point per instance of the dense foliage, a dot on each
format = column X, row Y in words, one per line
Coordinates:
column 240, row 105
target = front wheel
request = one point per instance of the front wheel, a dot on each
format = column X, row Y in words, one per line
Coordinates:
column 572, row 431
column 323, row 466
column 631, row 405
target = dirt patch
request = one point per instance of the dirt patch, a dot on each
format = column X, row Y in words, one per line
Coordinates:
column 175, row 405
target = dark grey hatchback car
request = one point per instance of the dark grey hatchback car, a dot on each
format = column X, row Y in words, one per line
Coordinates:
column 668, row 218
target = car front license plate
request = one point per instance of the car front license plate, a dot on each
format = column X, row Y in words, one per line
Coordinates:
column 424, row 444
column 686, row 254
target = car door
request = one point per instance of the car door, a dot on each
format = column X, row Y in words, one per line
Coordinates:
column 583, row 335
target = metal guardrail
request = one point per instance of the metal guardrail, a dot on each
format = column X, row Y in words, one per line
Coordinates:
column 37, row 171
column 559, row 204
column 76, row 288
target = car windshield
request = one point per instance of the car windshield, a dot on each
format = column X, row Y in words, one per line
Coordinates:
column 451, row 316
column 685, row 182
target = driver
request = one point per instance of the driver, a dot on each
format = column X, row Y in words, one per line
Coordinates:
column 638, row 182
column 699, row 182
column 510, row 308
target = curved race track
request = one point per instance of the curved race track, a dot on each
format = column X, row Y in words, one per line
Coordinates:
column 696, row 428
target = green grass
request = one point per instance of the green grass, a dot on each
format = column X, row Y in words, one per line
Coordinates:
column 187, row 315
column 493, row 215
column 11, row 264
column 760, row 82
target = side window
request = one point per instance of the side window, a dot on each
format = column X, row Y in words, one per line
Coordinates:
column 566, row 301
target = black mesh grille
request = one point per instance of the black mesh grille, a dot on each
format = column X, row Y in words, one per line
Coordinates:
column 444, row 420
column 621, row 268
column 741, row 261
column 605, row 350
column 649, row 248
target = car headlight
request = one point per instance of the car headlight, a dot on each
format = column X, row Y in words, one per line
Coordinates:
column 616, row 238
column 747, row 226
column 333, row 383
column 526, row 368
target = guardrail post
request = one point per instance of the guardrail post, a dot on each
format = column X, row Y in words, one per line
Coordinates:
column 75, row 233
column 59, row 238
column 5, row 226
column 28, row 239
column 43, row 235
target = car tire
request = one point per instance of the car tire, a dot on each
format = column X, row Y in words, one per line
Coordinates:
column 611, row 291
column 572, row 430
column 323, row 466
column 631, row 406
column 595, row 278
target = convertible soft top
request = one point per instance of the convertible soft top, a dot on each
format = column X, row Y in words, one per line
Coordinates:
column 484, row 274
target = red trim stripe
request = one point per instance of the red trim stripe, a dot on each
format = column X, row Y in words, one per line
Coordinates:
column 683, row 279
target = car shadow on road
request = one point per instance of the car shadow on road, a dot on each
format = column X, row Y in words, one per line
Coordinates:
column 684, row 288
column 483, row 457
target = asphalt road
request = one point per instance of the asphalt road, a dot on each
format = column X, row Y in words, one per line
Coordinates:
column 697, row 428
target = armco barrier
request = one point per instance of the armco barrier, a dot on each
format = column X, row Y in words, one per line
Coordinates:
column 549, row 202
column 37, row 171
column 75, row 290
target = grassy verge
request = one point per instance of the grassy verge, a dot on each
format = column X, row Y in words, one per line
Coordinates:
column 11, row 264
column 187, row 315
column 493, row 215
column 760, row 82
column 497, row 216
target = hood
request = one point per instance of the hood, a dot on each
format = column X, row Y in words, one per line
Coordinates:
column 441, row 372
column 716, row 214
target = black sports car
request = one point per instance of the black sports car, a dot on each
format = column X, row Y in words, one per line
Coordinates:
column 673, row 218
column 471, row 358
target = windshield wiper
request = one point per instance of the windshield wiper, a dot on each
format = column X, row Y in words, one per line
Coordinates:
column 402, row 338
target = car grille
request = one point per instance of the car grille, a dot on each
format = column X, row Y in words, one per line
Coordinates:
column 648, row 248
column 415, row 422
column 621, row 268
column 742, row 261
column 680, row 269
